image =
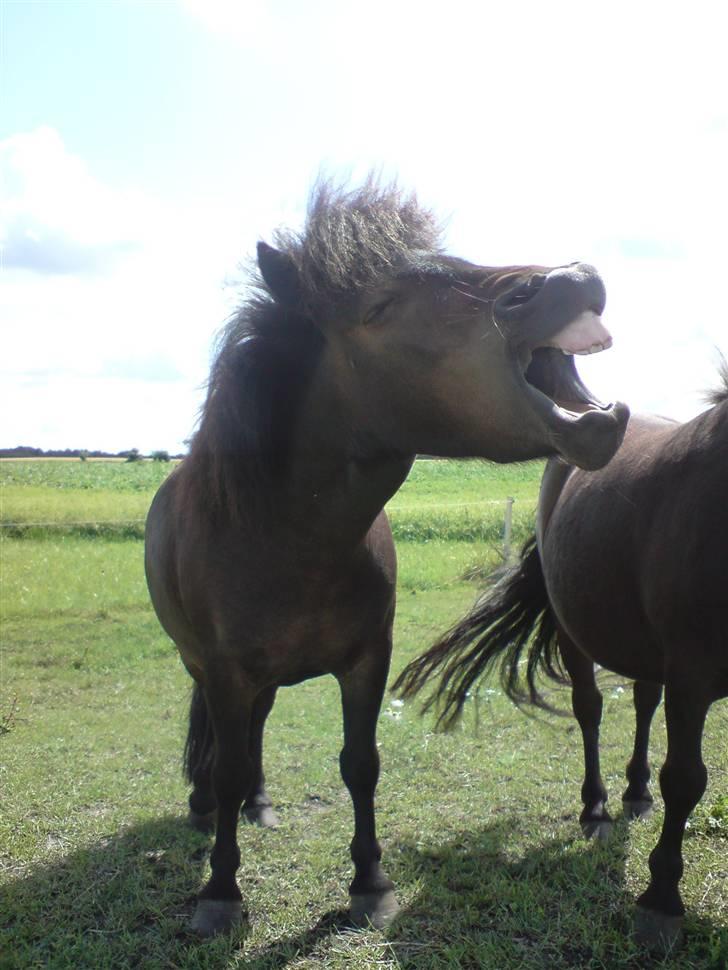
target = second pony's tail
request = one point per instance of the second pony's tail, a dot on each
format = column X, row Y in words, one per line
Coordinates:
column 512, row 619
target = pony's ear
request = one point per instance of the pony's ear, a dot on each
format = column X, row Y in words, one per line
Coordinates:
column 280, row 275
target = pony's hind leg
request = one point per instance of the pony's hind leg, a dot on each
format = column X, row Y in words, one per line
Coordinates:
column 372, row 892
column 230, row 705
column 257, row 808
column 199, row 753
column 198, row 757
column 586, row 701
column 637, row 799
column 683, row 779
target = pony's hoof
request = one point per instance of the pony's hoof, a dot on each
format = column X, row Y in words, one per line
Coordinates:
column 203, row 823
column 214, row 916
column 598, row 829
column 657, row 931
column 262, row 815
column 634, row 808
column 374, row 909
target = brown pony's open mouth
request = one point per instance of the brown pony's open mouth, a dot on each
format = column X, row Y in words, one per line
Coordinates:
column 549, row 319
column 583, row 429
column 553, row 373
column 550, row 369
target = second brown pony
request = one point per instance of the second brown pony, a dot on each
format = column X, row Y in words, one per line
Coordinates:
column 628, row 570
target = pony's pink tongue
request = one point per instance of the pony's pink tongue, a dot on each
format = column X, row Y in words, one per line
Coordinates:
column 585, row 335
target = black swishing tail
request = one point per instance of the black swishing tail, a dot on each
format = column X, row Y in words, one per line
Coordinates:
column 200, row 743
column 512, row 619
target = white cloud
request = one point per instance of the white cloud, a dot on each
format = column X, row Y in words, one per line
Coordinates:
column 242, row 21
column 86, row 337
column 548, row 132
column 60, row 411
column 55, row 217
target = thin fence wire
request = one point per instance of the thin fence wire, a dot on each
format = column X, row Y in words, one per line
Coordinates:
column 124, row 522
column 71, row 525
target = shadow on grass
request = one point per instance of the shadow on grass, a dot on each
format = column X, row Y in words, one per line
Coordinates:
column 113, row 903
column 564, row 905
column 126, row 901
column 478, row 904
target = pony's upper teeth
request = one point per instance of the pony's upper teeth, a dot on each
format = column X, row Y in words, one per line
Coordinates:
column 594, row 349
column 584, row 335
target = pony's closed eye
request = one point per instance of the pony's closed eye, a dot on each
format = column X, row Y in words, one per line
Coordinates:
column 375, row 313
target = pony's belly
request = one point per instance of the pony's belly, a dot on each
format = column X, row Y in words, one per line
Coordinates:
column 322, row 639
column 283, row 630
column 607, row 623
column 288, row 649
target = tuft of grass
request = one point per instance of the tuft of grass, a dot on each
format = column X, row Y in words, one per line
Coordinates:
column 7, row 716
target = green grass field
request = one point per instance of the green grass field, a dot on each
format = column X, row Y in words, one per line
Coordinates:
column 479, row 828
column 458, row 501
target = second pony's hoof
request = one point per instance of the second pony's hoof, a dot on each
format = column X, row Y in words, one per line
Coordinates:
column 598, row 829
column 214, row 916
column 634, row 808
column 657, row 931
column 374, row 909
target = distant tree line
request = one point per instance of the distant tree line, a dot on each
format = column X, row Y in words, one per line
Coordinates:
column 131, row 454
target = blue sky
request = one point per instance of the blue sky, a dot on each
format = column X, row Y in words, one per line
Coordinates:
column 145, row 147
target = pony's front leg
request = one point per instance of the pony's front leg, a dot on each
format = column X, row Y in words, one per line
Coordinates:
column 586, row 702
column 637, row 799
column 372, row 892
column 683, row 779
column 220, row 905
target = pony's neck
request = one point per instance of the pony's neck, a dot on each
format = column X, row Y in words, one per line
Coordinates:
column 341, row 475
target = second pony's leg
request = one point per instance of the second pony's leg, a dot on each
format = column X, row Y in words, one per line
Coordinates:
column 637, row 798
column 683, row 780
column 586, row 700
column 257, row 808
column 362, row 688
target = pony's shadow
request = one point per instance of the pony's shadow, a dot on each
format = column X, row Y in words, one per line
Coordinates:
column 472, row 888
column 126, row 896
column 135, row 892
column 475, row 888
column 137, row 883
column 450, row 876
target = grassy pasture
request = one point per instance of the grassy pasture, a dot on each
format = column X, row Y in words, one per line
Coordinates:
column 93, row 498
column 479, row 828
column 457, row 501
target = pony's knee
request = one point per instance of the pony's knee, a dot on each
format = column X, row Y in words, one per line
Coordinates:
column 232, row 779
column 682, row 785
column 359, row 770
